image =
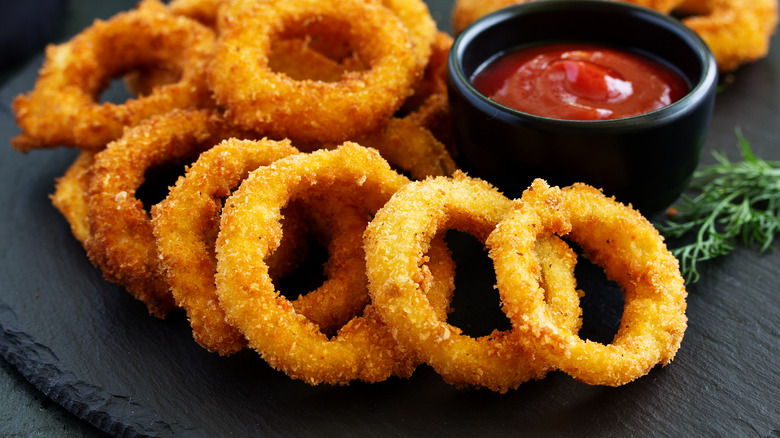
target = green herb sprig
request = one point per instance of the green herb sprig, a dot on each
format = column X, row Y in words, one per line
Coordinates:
column 736, row 201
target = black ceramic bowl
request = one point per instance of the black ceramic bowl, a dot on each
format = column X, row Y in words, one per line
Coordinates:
column 646, row 160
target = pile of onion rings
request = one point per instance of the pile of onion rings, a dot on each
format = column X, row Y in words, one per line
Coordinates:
column 383, row 317
column 352, row 157
column 737, row 31
column 171, row 58
column 310, row 74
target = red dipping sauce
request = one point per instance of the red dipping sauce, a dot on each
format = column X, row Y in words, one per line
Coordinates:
column 579, row 82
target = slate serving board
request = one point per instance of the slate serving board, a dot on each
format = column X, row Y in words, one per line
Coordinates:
column 90, row 347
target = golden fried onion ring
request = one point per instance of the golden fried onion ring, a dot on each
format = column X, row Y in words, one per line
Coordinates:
column 121, row 241
column 396, row 242
column 363, row 349
column 737, row 31
column 183, row 223
column 62, row 108
column 631, row 252
column 312, row 111
column 185, row 220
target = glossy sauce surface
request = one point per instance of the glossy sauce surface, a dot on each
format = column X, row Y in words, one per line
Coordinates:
column 579, row 82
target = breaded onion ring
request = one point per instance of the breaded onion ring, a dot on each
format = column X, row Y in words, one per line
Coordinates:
column 414, row 144
column 185, row 221
column 396, row 241
column 121, row 242
column 363, row 349
column 311, row 111
column 631, row 252
column 62, row 109
column 737, row 31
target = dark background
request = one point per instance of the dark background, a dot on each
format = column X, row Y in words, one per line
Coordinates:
column 89, row 347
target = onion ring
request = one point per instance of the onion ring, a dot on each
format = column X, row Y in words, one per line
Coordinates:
column 413, row 143
column 363, row 349
column 121, row 241
column 61, row 110
column 737, row 31
column 183, row 223
column 184, row 220
column 311, row 111
column 395, row 242
column 632, row 253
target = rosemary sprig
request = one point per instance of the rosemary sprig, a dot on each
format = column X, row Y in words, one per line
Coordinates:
column 736, row 201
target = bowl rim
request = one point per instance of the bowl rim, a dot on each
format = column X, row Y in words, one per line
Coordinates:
column 699, row 91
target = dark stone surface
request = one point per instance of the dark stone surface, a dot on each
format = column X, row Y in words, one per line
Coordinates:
column 99, row 361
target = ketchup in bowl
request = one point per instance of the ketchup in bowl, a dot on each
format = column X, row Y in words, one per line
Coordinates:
column 579, row 82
